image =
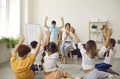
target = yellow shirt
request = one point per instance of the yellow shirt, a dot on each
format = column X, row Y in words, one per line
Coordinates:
column 21, row 69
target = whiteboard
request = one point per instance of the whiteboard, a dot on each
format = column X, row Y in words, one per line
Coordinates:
column 32, row 32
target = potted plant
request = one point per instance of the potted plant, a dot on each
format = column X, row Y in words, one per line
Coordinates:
column 12, row 42
column 6, row 46
column 118, row 41
column 4, row 40
column 9, row 42
column 94, row 27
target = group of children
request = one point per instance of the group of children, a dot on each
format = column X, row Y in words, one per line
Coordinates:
column 44, row 58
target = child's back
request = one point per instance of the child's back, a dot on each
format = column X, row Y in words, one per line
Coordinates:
column 22, row 68
column 39, row 56
column 109, row 59
column 50, row 62
column 21, row 65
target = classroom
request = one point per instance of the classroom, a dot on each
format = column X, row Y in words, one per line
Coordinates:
column 59, row 39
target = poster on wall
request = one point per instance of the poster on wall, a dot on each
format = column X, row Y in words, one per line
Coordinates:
column 32, row 32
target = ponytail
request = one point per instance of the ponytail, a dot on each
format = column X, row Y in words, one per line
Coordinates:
column 43, row 54
column 106, row 53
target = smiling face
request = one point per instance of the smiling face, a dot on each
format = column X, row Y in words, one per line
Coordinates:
column 67, row 26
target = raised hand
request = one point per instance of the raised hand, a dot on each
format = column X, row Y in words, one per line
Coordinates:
column 72, row 30
column 21, row 39
column 109, row 32
column 46, row 17
column 62, row 18
column 40, row 36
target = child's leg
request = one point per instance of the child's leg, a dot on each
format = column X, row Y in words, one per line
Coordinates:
column 67, row 50
column 63, row 59
column 66, row 75
column 71, row 57
column 113, row 77
column 112, row 72
column 96, row 74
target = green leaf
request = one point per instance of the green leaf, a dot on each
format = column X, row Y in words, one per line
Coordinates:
column 118, row 41
column 11, row 42
column 94, row 26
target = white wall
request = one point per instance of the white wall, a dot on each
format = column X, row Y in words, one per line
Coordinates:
column 78, row 13
column 14, row 17
column 25, row 13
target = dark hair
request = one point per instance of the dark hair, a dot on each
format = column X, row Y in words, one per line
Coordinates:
column 84, row 46
column 67, row 24
column 51, row 47
column 43, row 54
column 23, row 50
column 113, row 42
column 91, row 48
column 53, row 22
column 34, row 44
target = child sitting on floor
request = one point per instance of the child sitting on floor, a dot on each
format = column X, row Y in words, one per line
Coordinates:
column 37, row 64
column 109, row 54
column 21, row 66
column 89, row 55
column 49, row 60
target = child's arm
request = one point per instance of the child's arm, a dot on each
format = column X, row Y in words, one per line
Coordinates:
column 38, row 45
column 59, row 38
column 75, row 35
column 104, row 35
column 47, row 39
column 104, row 31
column 62, row 19
column 46, row 22
column 21, row 40
column 108, row 35
column 103, row 50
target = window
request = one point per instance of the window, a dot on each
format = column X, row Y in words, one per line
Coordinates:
column 3, row 18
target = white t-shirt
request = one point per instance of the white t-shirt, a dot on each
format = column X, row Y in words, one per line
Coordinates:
column 87, row 62
column 111, row 56
column 67, row 38
column 39, row 56
column 50, row 62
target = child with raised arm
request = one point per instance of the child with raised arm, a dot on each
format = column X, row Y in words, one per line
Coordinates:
column 104, row 30
column 21, row 66
column 37, row 64
column 54, row 29
column 89, row 56
column 109, row 54
column 50, row 59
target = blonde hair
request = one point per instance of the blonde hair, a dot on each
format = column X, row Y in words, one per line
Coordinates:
column 91, row 49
